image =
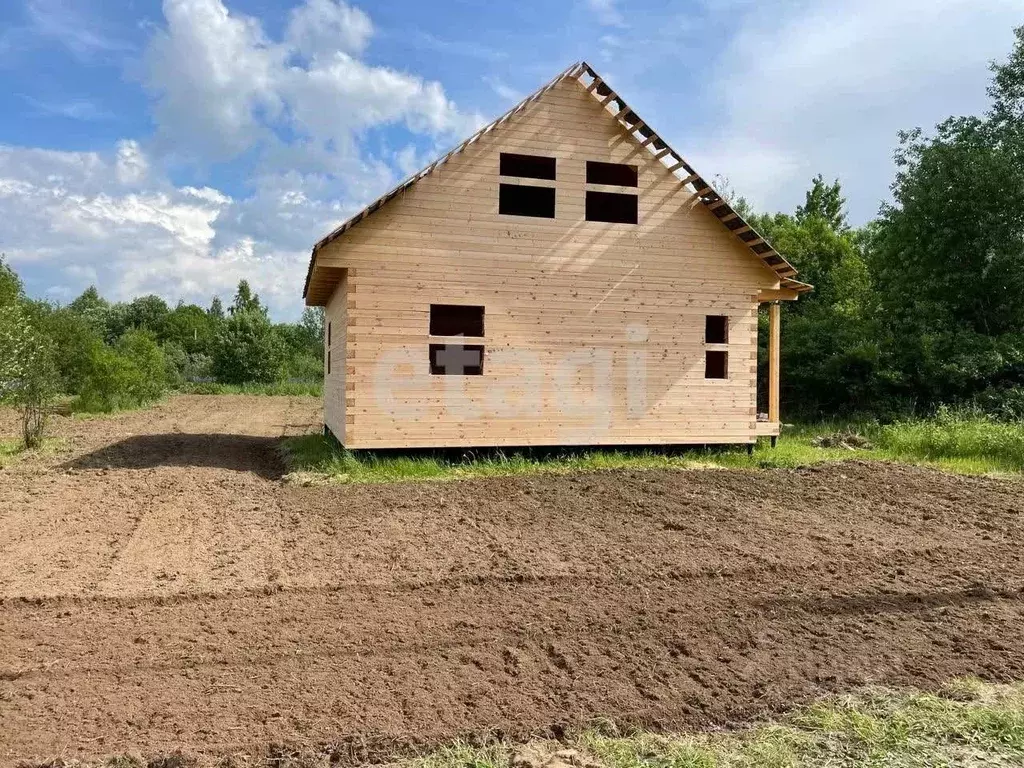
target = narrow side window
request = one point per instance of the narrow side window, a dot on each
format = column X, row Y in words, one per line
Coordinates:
column 716, row 364
column 328, row 362
column 716, row 329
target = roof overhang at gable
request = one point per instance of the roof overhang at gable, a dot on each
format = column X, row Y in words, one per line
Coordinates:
column 640, row 132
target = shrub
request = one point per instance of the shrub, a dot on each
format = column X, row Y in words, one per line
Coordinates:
column 126, row 376
column 247, row 350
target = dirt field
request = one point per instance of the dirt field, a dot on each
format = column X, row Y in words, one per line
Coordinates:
column 161, row 589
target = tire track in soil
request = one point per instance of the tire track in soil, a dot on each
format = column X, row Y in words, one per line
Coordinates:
column 422, row 611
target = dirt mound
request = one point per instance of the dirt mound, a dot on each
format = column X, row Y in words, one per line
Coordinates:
column 186, row 600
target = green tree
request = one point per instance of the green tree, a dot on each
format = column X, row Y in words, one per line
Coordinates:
column 247, row 349
column 130, row 374
column 948, row 254
column 826, row 202
column 93, row 308
column 147, row 313
column 191, row 328
column 216, row 310
column 246, row 300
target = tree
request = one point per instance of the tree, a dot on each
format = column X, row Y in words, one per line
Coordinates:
column 949, row 252
column 148, row 313
column 26, row 358
column 826, row 202
column 93, row 308
column 246, row 300
column 130, row 374
column 216, row 310
column 247, row 349
column 191, row 328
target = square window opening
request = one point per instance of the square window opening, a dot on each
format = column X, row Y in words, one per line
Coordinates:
column 527, row 166
column 618, row 174
column 456, row 320
column 716, row 329
column 518, row 200
column 716, row 364
column 456, row 359
column 612, row 207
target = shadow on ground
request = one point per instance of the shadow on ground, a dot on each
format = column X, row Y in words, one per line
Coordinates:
column 240, row 453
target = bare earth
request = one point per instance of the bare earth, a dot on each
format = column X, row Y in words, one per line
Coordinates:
column 162, row 589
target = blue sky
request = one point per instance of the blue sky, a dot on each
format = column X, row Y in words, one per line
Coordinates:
column 175, row 146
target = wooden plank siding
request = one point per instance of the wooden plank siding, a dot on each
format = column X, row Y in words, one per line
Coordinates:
column 573, row 309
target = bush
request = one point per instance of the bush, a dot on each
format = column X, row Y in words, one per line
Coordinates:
column 247, row 350
column 185, row 368
column 129, row 375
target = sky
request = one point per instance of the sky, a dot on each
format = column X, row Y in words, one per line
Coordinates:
column 176, row 147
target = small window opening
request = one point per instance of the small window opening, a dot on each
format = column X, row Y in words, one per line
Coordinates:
column 328, row 334
column 612, row 207
column 527, row 166
column 716, row 364
column 328, row 362
column 456, row 320
column 517, row 200
column 456, row 359
column 619, row 174
column 716, row 329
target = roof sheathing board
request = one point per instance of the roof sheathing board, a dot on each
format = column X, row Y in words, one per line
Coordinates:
column 599, row 89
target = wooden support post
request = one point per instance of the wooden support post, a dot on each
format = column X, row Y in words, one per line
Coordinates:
column 774, row 337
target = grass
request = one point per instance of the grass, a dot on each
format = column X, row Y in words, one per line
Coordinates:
column 968, row 723
column 14, row 450
column 290, row 388
column 963, row 443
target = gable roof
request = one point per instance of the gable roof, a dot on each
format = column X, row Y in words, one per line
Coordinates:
column 638, row 130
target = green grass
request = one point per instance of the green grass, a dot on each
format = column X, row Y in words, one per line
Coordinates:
column 13, row 450
column 963, row 443
column 291, row 388
column 10, row 451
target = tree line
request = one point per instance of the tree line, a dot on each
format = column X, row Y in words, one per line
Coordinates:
column 112, row 355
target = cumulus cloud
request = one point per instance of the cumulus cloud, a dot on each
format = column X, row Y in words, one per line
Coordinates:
column 222, row 87
column 78, row 218
column 322, row 27
column 825, row 87
column 296, row 109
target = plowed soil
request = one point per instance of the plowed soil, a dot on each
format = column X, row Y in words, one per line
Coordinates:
column 162, row 589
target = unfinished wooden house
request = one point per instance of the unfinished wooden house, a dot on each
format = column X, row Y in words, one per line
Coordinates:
column 563, row 277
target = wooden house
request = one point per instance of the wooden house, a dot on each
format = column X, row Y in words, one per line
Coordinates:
column 562, row 277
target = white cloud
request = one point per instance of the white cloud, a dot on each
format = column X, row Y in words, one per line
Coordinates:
column 323, row 27
column 77, row 218
column 503, row 91
column 825, row 87
column 222, row 87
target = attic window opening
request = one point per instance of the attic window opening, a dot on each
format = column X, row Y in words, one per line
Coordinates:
column 527, row 166
column 616, row 174
column 716, row 329
column 520, row 200
column 612, row 207
column 716, row 364
column 456, row 320
column 456, row 360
